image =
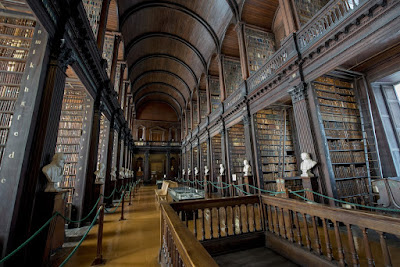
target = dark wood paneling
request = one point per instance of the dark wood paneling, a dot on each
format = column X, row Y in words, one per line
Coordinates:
column 259, row 12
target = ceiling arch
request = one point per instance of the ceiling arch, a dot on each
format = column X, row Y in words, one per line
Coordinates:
column 166, row 72
column 145, row 36
column 167, row 88
column 160, row 96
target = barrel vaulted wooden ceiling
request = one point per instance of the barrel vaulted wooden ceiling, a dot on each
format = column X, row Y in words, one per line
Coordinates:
column 170, row 46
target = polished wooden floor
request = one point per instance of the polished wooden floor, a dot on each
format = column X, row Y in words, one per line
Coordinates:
column 132, row 242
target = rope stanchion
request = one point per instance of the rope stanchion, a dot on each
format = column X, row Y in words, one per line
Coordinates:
column 81, row 241
column 99, row 256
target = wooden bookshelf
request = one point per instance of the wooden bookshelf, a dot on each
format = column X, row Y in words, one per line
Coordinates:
column 342, row 127
column 214, row 93
column 306, row 9
column 103, row 141
column 216, row 154
column 108, row 49
column 93, row 10
column 237, row 148
column 260, row 47
column 195, row 158
column 232, row 75
column 15, row 40
column 275, row 146
column 195, row 112
column 204, row 155
column 203, row 104
column 115, row 150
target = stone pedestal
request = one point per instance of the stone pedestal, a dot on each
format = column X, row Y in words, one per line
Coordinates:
column 196, row 180
column 249, row 180
column 207, row 189
column 309, row 183
column 222, row 179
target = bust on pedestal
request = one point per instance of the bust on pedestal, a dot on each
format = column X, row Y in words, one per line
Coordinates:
column 206, row 171
column 221, row 178
column 54, row 173
column 113, row 174
column 100, row 174
column 247, row 175
column 306, row 165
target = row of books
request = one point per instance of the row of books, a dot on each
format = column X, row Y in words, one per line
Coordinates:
column 7, row 105
column 333, row 89
column 12, row 66
column 337, row 110
column 332, row 117
column 71, row 93
column 277, row 168
column 343, row 134
column 10, row 78
column 72, row 133
column 72, row 157
column 288, row 142
column 18, row 21
column 336, row 96
column 9, row 91
column 17, row 43
column 3, row 136
column 272, row 125
column 288, row 159
column 5, row 119
column 74, row 148
column 266, row 150
column 74, row 100
column 68, row 140
column 335, row 82
column 352, row 187
column 337, row 103
column 262, row 132
column 272, row 176
column 350, row 171
column 69, row 125
column 72, row 106
column 341, row 125
column 347, row 156
column 12, row 31
column 345, row 145
column 67, row 117
column 70, row 169
column 14, row 53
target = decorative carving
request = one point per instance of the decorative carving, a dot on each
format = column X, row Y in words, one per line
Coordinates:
column 246, row 168
column 54, row 173
column 298, row 92
column 306, row 165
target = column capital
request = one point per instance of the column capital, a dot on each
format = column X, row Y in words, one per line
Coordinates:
column 298, row 92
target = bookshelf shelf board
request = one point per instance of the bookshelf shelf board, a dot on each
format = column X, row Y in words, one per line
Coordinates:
column 348, row 163
column 16, row 26
column 8, row 36
column 13, row 59
column 332, row 106
column 350, row 178
column 345, row 150
column 329, row 84
column 11, row 72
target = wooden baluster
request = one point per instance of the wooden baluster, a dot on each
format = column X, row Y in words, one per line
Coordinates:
column 209, row 223
column 215, row 223
column 236, row 210
column 353, row 251
column 230, row 220
column 368, row 252
column 316, row 236
column 244, row 218
column 265, row 217
column 250, row 216
column 327, row 240
column 278, row 230
column 283, row 223
column 290, row 222
column 186, row 219
column 270, row 219
column 298, row 232
column 308, row 239
column 194, row 224
column 339, row 244
column 204, row 219
column 258, row 218
column 385, row 250
column 222, row 222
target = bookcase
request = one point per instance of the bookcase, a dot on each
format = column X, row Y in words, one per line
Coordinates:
column 306, row 9
column 342, row 128
column 93, row 10
column 15, row 40
column 195, row 151
column 195, row 112
column 69, row 137
column 260, row 47
column 214, row 93
column 204, row 155
column 108, row 49
column 237, row 148
column 115, row 150
column 203, row 104
column 117, row 78
column 232, row 75
column 103, row 141
column 216, row 154
column 274, row 141
column 189, row 121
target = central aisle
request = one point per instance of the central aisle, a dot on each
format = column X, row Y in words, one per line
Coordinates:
column 132, row 242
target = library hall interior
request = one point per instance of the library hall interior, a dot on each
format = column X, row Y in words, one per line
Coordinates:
column 199, row 133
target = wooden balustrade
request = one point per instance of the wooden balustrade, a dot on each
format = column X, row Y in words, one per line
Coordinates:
column 223, row 224
column 178, row 245
column 334, row 236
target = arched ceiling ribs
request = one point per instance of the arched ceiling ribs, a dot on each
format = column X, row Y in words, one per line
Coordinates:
column 235, row 9
column 165, row 72
column 137, row 104
column 175, row 6
column 145, row 36
column 168, row 56
column 159, row 83
column 179, row 115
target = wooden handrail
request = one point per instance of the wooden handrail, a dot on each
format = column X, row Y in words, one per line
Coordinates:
column 181, row 241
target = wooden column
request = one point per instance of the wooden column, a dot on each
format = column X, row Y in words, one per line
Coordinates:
column 24, row 154
column 304, row 129
column 120, row 85
column 289, row 18
column 126, row 87
column 89, row 198
column 108, row 184
column 147, row 166
column 248, row 137
column 198, row 106
column 101, row 33
column 220, row 59
column 113, row 70
column 240, row 30
column 208, row 93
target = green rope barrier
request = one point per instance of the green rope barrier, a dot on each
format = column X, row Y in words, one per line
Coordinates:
column 237, row 187
column 112, row 193
column 81, row 241
column 29, row 239
column 119, row 203
column 83, row 219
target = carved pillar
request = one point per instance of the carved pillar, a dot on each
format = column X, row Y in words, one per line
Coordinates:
column 208, row 93
column 89, row 197
column 240, row 30
column 301, row 109
column 108, row 184
column 198, row 106
column 101, row 33
column 248, row 137
column 289, row 18
column 125, row 101
column 220, row 59
column 117, row 40
column 120, row 85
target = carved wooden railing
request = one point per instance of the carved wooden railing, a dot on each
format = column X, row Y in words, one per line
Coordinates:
column 235, row 96
column 216, row 113
column 330, row 16
column 157, row 143
column 332, row 235
column 286, row 52
column 178, row 245
column 235, row 220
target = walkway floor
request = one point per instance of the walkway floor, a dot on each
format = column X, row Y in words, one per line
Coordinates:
column 132, row 242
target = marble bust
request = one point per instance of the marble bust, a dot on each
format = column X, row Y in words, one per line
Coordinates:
column 113, row 174
column 183, row 172
column 100, row 174
column 306, row 165
column 206, row 170
column 189, row 171
column 54, row 173
column 196, row 171
column 122, row 173
column 221, row 169
column 246, row 168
